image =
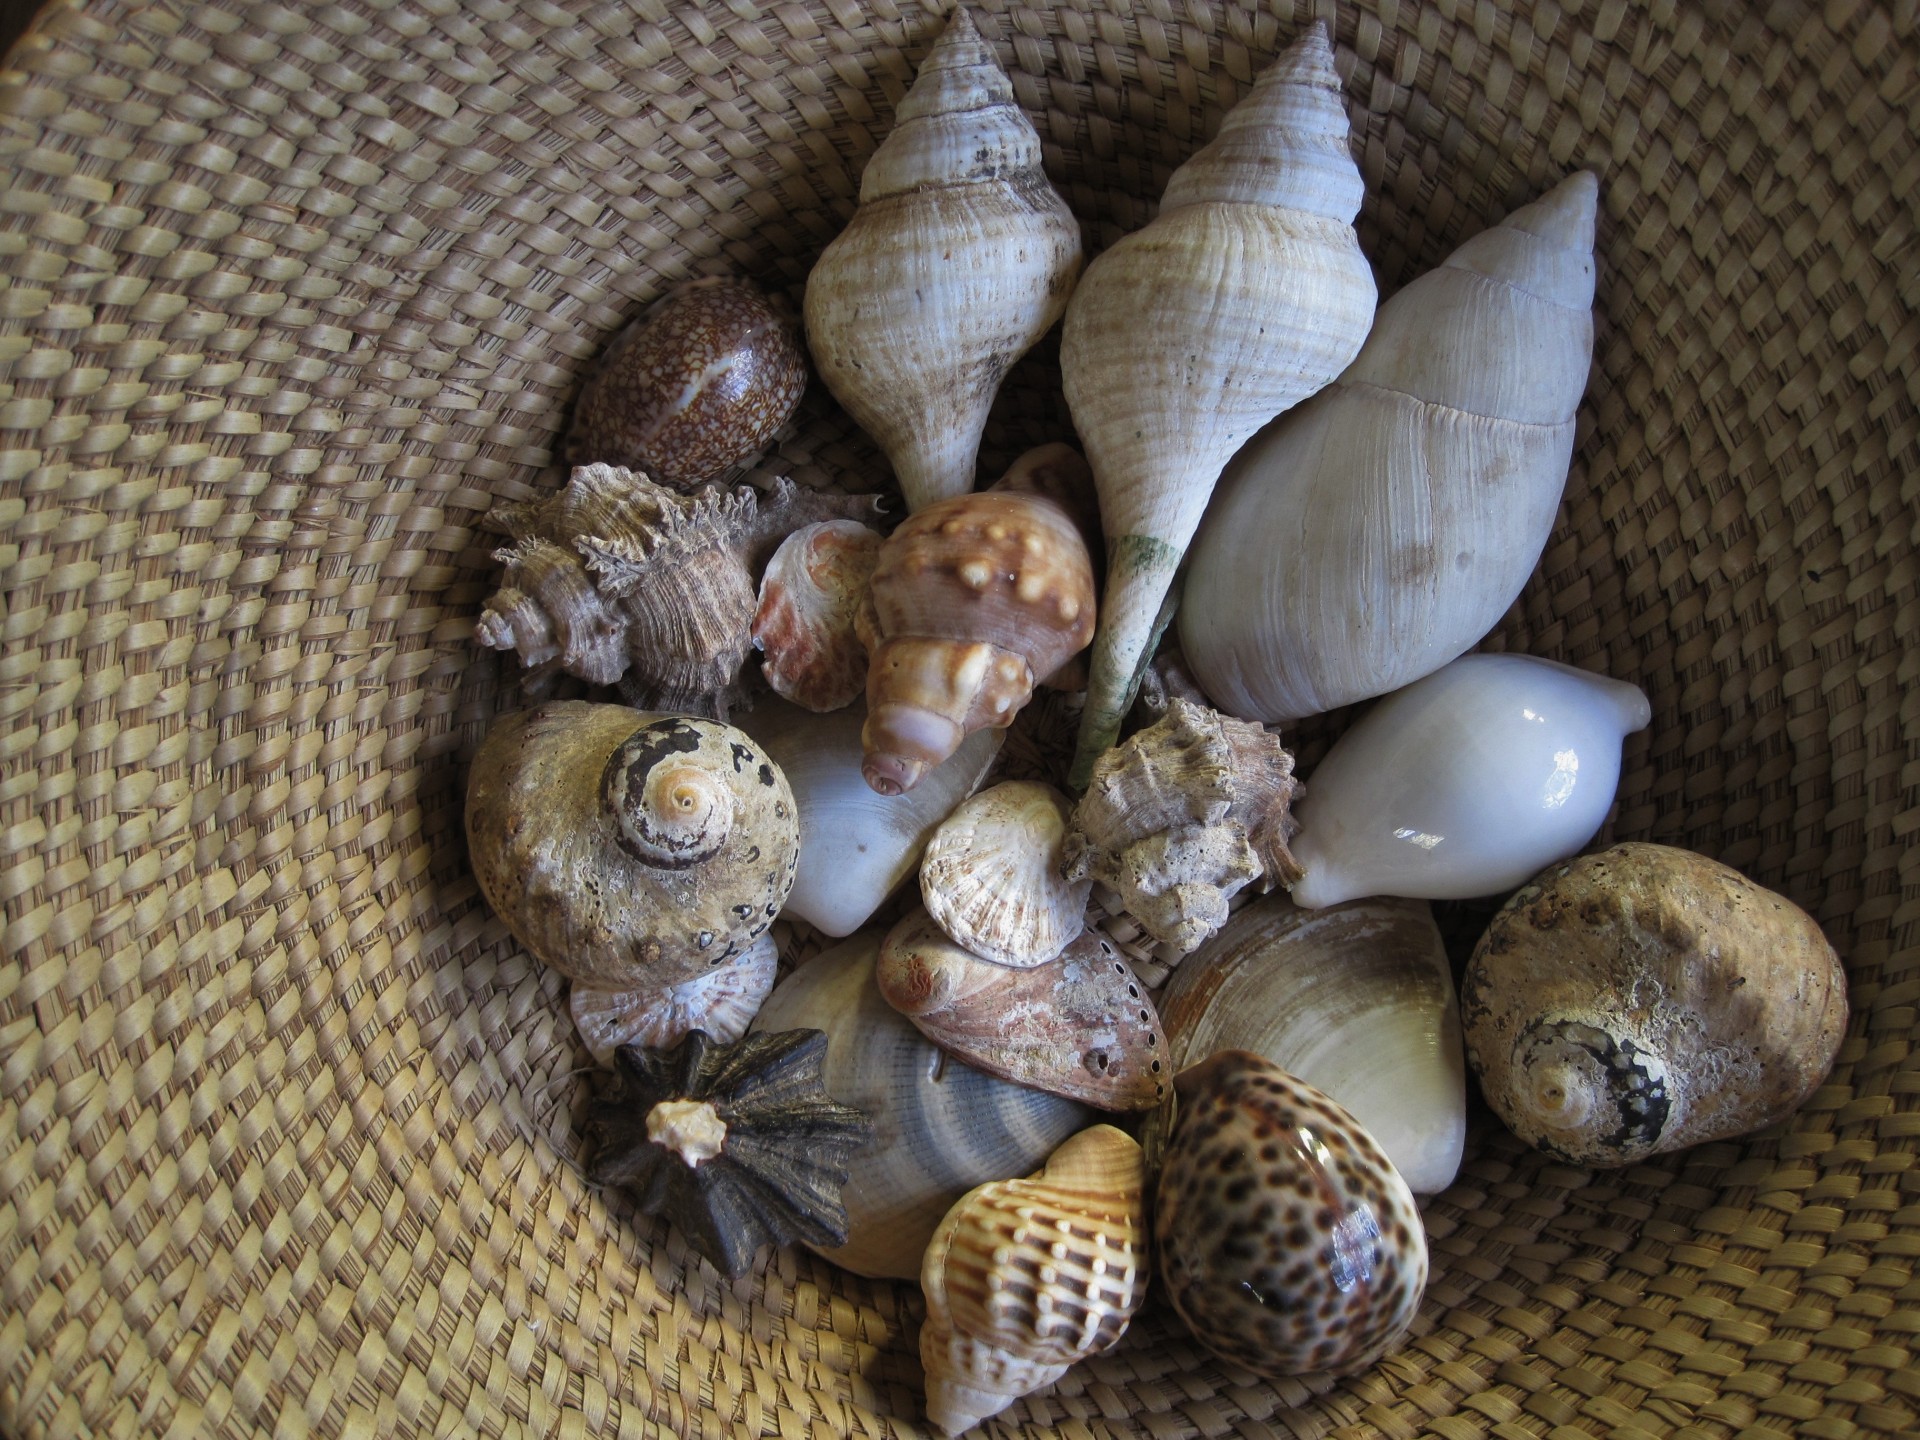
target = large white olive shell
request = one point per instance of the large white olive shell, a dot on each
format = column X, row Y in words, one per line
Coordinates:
column 941, row 1127
column 991, row 876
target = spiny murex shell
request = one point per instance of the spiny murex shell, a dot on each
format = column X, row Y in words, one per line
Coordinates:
column 1384, row 526
column 941, row 1127
column 1026, row 1277
column 721, row 1000
column 1356, row 1000
column 1246, row 294
column 804, row 626
column 1080, row 1025
column 1645, row 999
column 628, row 850
column 1287, row 1240
column 1182, row 817
column 958, row 258
column 617, row 579
column 991, row 876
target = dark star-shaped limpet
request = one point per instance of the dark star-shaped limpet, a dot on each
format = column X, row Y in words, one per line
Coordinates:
column 735, row 1145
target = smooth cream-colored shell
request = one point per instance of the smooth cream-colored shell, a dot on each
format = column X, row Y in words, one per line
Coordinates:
column 941, row 1127
column 991, row 876
column 1026, row 1277
column 1246, row 294
column 958, row 258
column 721, row 1001
column 1384, row 526
column 856, row 846
column 1357, row 1000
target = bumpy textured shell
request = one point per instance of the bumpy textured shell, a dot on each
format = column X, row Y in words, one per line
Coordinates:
column 617, row 579
column 991, row 876
column 813, row 589
column 942, row 1127
column 737, row 1146
column 1383, row 527
column 958, row 258
column 1080, row 1025
column 1287, row 1241
column 1645, row 999
column 973, row 601
column 700, row 381
column 721, row 1001
column 1356, row 1000
column 628, row 850
column 1026, row 1277
column 1182, row 817
column 1246, row 294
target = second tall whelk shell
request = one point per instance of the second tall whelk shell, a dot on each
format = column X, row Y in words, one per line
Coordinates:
column 1383, row 527
column 1026, row 1277
column 959, row 257
column 1245, row 295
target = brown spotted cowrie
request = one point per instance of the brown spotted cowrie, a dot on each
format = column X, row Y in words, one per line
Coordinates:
column 1288, row 1242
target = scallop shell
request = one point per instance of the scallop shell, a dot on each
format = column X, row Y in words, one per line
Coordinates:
column 856, row 846
column 813, row 588
column 1356, row 1000
column 1080, row 1025
column 941, row 1127
column 722, row 1001
column 991, row 876
column 1287, row 1240
column 1024, row 1278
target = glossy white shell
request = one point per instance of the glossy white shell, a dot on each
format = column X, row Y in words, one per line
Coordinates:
column 1465, row 783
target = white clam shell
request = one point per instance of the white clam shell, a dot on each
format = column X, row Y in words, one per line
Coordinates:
column 721, row 1001
column 1466, row 782
column 856, row 846
column 1357, row 1000
column 941, row 1127
column 991, row 876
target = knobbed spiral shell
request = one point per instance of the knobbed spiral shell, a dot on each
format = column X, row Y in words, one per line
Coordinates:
column 1245, row 295
column 1383, row 527
column 1645, row 999
column 958, row 258
column 1026, row 1277
column 625, row 850
column 974, row 600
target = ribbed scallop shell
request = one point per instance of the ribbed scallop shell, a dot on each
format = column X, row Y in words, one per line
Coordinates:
column 1246, row 294
column 721, row 1000
column 1026, row 1277
column 991, row 876
column 941, row 1127
column 1383, row 527
column 809, row 596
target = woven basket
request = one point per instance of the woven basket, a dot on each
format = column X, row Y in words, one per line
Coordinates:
column 296, row 292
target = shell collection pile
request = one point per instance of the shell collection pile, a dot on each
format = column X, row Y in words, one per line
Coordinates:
column 1303, row 1075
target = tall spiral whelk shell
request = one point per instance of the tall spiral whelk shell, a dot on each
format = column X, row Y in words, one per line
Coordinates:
column 1182, row 817
column 958, row 258
column 1383, row 527
column 1246, row 294
column 1027, row 1277
column 973, row 601
column 991, row 876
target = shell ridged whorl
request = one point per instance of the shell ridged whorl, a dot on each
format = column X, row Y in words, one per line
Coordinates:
column 959, row 256
column 1246, row 294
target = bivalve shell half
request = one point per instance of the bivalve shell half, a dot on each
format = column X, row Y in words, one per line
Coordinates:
column 721, row 1001
column 991, row 876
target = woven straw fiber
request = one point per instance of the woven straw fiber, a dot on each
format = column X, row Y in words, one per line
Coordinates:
column 295, row 292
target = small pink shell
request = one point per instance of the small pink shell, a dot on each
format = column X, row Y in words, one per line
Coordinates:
column 812, row 589
column 721, row 1001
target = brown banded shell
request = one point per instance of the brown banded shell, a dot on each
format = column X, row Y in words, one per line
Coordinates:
column 813, row 589
column 1080, row 1025
column 991, row 876
column 626, row 850
column 721, row 1000
column 1026, row 1277
column 1287, row 1240
column 701, row 381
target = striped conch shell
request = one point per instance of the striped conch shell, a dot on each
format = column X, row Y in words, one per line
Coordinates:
column 1382, row 528
column 1026, row 1277
column 958, row 258
column 1246, row 294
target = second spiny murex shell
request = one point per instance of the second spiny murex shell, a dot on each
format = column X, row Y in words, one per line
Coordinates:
column 618, row 580
column 1183, row 816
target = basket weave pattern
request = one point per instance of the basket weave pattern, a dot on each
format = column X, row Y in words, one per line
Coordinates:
column 294, row 293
